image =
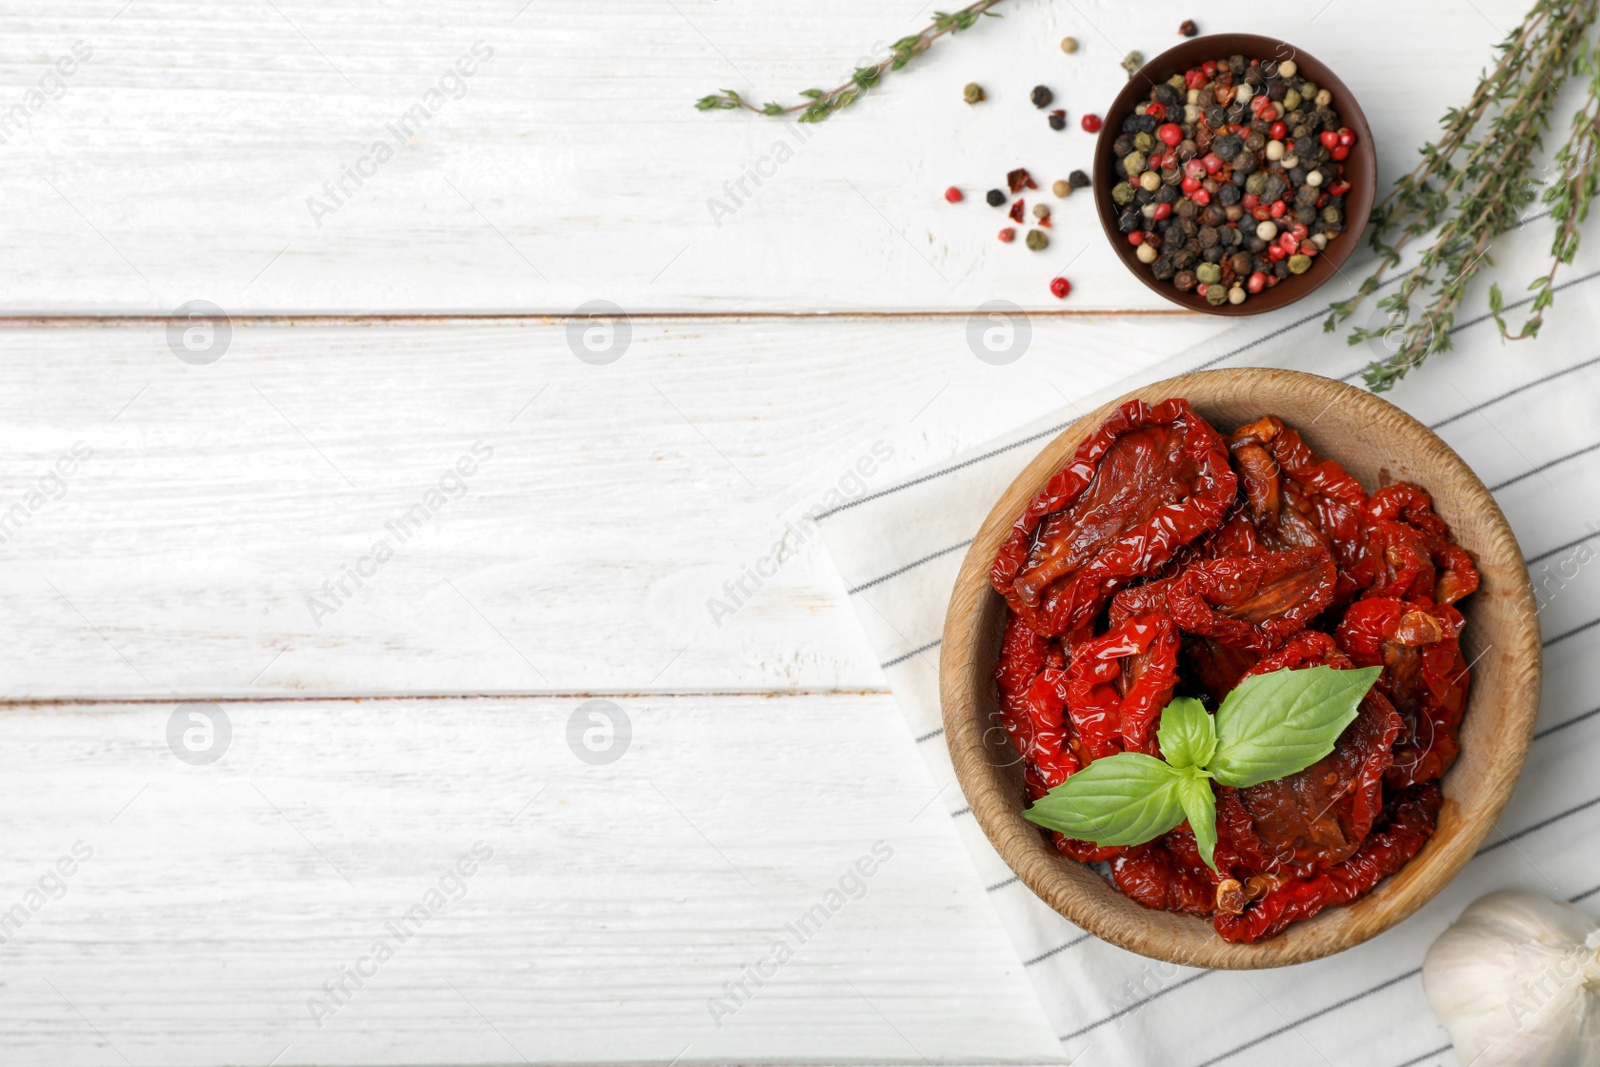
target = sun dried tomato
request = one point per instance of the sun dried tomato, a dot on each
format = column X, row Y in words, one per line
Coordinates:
column 1147, row 482
column 1454, row 573
column 1120, row 681
column 1032, row 707
column 1297, row 498
column 1151, row 875
column 1255, row 602
column 1410, row 820
column 1424, row 674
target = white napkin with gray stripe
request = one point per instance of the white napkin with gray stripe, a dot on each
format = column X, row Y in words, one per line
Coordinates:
column 1527, row 418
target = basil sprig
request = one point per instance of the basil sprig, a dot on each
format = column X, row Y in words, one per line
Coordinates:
column 1270, row 726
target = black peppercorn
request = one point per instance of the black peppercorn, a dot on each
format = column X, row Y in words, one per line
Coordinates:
column 1229, row 195
column 1227, row 146
column 1188, row 28
column 1041, row 96
column 995, row 197
column 1216, row 117
column 1163, row 269
column 1166, row 95
column 1058, row 120
column 1079, row 180
column 1129, row 221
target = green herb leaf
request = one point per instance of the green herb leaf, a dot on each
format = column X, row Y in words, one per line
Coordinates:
column 1278, row 724
column 1125, row 799
column 1200, row 808
column 1187, row 735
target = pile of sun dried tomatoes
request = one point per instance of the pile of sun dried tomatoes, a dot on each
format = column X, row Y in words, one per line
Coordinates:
column 1167, row 560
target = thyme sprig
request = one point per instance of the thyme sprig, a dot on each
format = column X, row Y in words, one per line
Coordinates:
column 819, row 103
column 1475, row 183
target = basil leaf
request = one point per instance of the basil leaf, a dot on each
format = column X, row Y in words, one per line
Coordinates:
column 1278, row 724
column 1187, row 736
column 1125, row 799
column 1200, row 808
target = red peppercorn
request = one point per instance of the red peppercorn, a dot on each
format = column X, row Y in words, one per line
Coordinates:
column 1190, row 185
column 1060, row 287
column 1210, row 67
column 1329, row 139
column 1310, row 248
column 1195, row 79
column 1161, row 211
column 1157, row 111
column 1201, row 197
column 1277, row 131
column 1346, row 137
column 1091, row 123
column 953, row 195
column 1017, row 207
column 1261, row 212
column 1341, row 153
column 1275, row 252
column 1250, row 201
column 1257, row 282
column 1287, row 242
column 1339, row 188
column 1008, row 235
column 1277, row 209
column 1170, row 133
column 1211, row 162
column 1299, row 230
column 1195, row 169
column 1136, row 238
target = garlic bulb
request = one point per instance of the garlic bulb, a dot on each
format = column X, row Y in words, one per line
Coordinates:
column 1516, row 982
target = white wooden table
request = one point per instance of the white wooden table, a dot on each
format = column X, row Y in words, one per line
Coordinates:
column 191, row 561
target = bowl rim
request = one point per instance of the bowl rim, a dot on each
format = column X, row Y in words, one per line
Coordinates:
column 1358, row 208
column 992, row 789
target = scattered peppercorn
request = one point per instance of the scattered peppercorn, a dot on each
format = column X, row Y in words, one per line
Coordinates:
column 1090, row 123
column 1041, row 211
column 1038, row 240
column 1069, row 45
column 1060, row 287
column 1188, row 28
column 1008, row 235
column 995, row 197
column 1062, row 189
column 1041, row 96
column 1079, row 179
column 1058, row 119
column 953, row 195
column 972, row 93
column 1132, row 62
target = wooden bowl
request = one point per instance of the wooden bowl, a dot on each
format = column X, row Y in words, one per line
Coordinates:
column 1379, row 444
column 1361, row 167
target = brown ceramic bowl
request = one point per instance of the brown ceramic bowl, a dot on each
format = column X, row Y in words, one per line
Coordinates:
column 1379, row 444
column 1361, row 167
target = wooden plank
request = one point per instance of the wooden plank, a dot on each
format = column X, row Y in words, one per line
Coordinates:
column 207, row 904
column 196, row 551
column 181, row 160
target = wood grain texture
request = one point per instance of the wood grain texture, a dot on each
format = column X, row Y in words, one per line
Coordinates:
column 178, row 162
column 618, row 899
column 1379, row 444
column 584, row 554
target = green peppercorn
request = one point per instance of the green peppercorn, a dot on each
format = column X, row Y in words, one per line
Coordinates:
column 1216, row 295
column 1122, row 194
column 1255, row 183
column 1132, row 62
column 1291, row 100
column 1143, row 142
column 1038, row 240
column 1208, row 273
column 1299, row 263
column 1331, row 214
column 972, row 93
column 1134, row 162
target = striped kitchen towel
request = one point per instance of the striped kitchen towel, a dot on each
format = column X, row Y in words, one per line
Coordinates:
column 1527, row 418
